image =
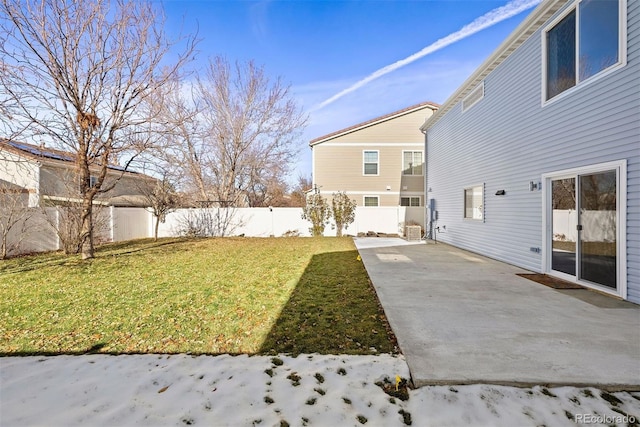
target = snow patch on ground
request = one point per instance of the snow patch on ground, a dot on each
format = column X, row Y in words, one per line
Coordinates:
column 314, row 390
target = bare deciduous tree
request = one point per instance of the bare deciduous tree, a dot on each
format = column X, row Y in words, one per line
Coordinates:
column 178, row 148
column 161, row 200
column 299, row 192
column 252, row 123
column 65, row 218
column 240, row 135
column 273, row 191
column 77, row 75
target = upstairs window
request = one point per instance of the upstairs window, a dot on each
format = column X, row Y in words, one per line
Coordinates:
column 585, row 41
column 412, row 163
column 371, row 160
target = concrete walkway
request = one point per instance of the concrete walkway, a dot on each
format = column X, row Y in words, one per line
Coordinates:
column 461, row 318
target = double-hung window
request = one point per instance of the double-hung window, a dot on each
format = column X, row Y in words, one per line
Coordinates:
column 412, row 163
column 371, row 160
column 588, row 39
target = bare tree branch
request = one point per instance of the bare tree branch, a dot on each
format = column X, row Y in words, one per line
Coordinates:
column 77, row 75
column 238, row 134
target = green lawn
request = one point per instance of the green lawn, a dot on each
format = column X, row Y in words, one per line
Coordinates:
column 208, row 296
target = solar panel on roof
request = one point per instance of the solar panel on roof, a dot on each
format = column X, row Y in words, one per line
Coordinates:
column 52, row 155
column 39, row 152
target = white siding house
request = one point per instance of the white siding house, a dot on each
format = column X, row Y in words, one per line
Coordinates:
column 535, row 159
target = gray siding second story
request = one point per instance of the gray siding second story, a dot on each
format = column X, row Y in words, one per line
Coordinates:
column 510, row 138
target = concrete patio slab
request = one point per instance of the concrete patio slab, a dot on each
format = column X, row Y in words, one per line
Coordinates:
column 461, row 318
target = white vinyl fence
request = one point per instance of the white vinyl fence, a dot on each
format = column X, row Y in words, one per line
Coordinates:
column 597, row 226
column 130, row 223
column 265, row 222
column 119, row 224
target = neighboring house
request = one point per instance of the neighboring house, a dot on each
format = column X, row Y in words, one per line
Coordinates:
column 47, row 176
column 378, row 163
column 535, row 159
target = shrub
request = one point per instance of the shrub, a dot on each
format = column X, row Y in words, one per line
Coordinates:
column 343, row 211
column 318, row 212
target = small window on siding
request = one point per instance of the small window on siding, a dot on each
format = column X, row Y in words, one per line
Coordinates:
column 371, row 201
column 410, row 201
column 370, row 162
column 474, row 97
column 473, row 202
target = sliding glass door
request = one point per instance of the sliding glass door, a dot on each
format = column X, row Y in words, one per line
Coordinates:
column 584, row 229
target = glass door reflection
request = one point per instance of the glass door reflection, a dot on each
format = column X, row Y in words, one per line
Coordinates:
column 564, row 220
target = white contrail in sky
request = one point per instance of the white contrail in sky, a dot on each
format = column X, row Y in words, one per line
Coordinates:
column 487, row 20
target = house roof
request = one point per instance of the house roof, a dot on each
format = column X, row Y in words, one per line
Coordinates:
column 36, row 152
column 375, row 121
column 536, row 19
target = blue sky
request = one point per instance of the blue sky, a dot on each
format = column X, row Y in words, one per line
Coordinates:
column 323, row 47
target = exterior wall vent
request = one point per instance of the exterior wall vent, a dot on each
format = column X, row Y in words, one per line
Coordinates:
column 474, row 97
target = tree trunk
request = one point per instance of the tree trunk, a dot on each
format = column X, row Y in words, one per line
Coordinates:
column 87, row 229
column 155, row 234
column 3, row 248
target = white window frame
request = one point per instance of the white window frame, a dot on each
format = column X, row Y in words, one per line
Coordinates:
column 622, row 50
column 422, row 164
column 482, row 204
column 474, row 92
column 377, row 163
column 372, row 197
column 621, row 229
column 411, row 197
